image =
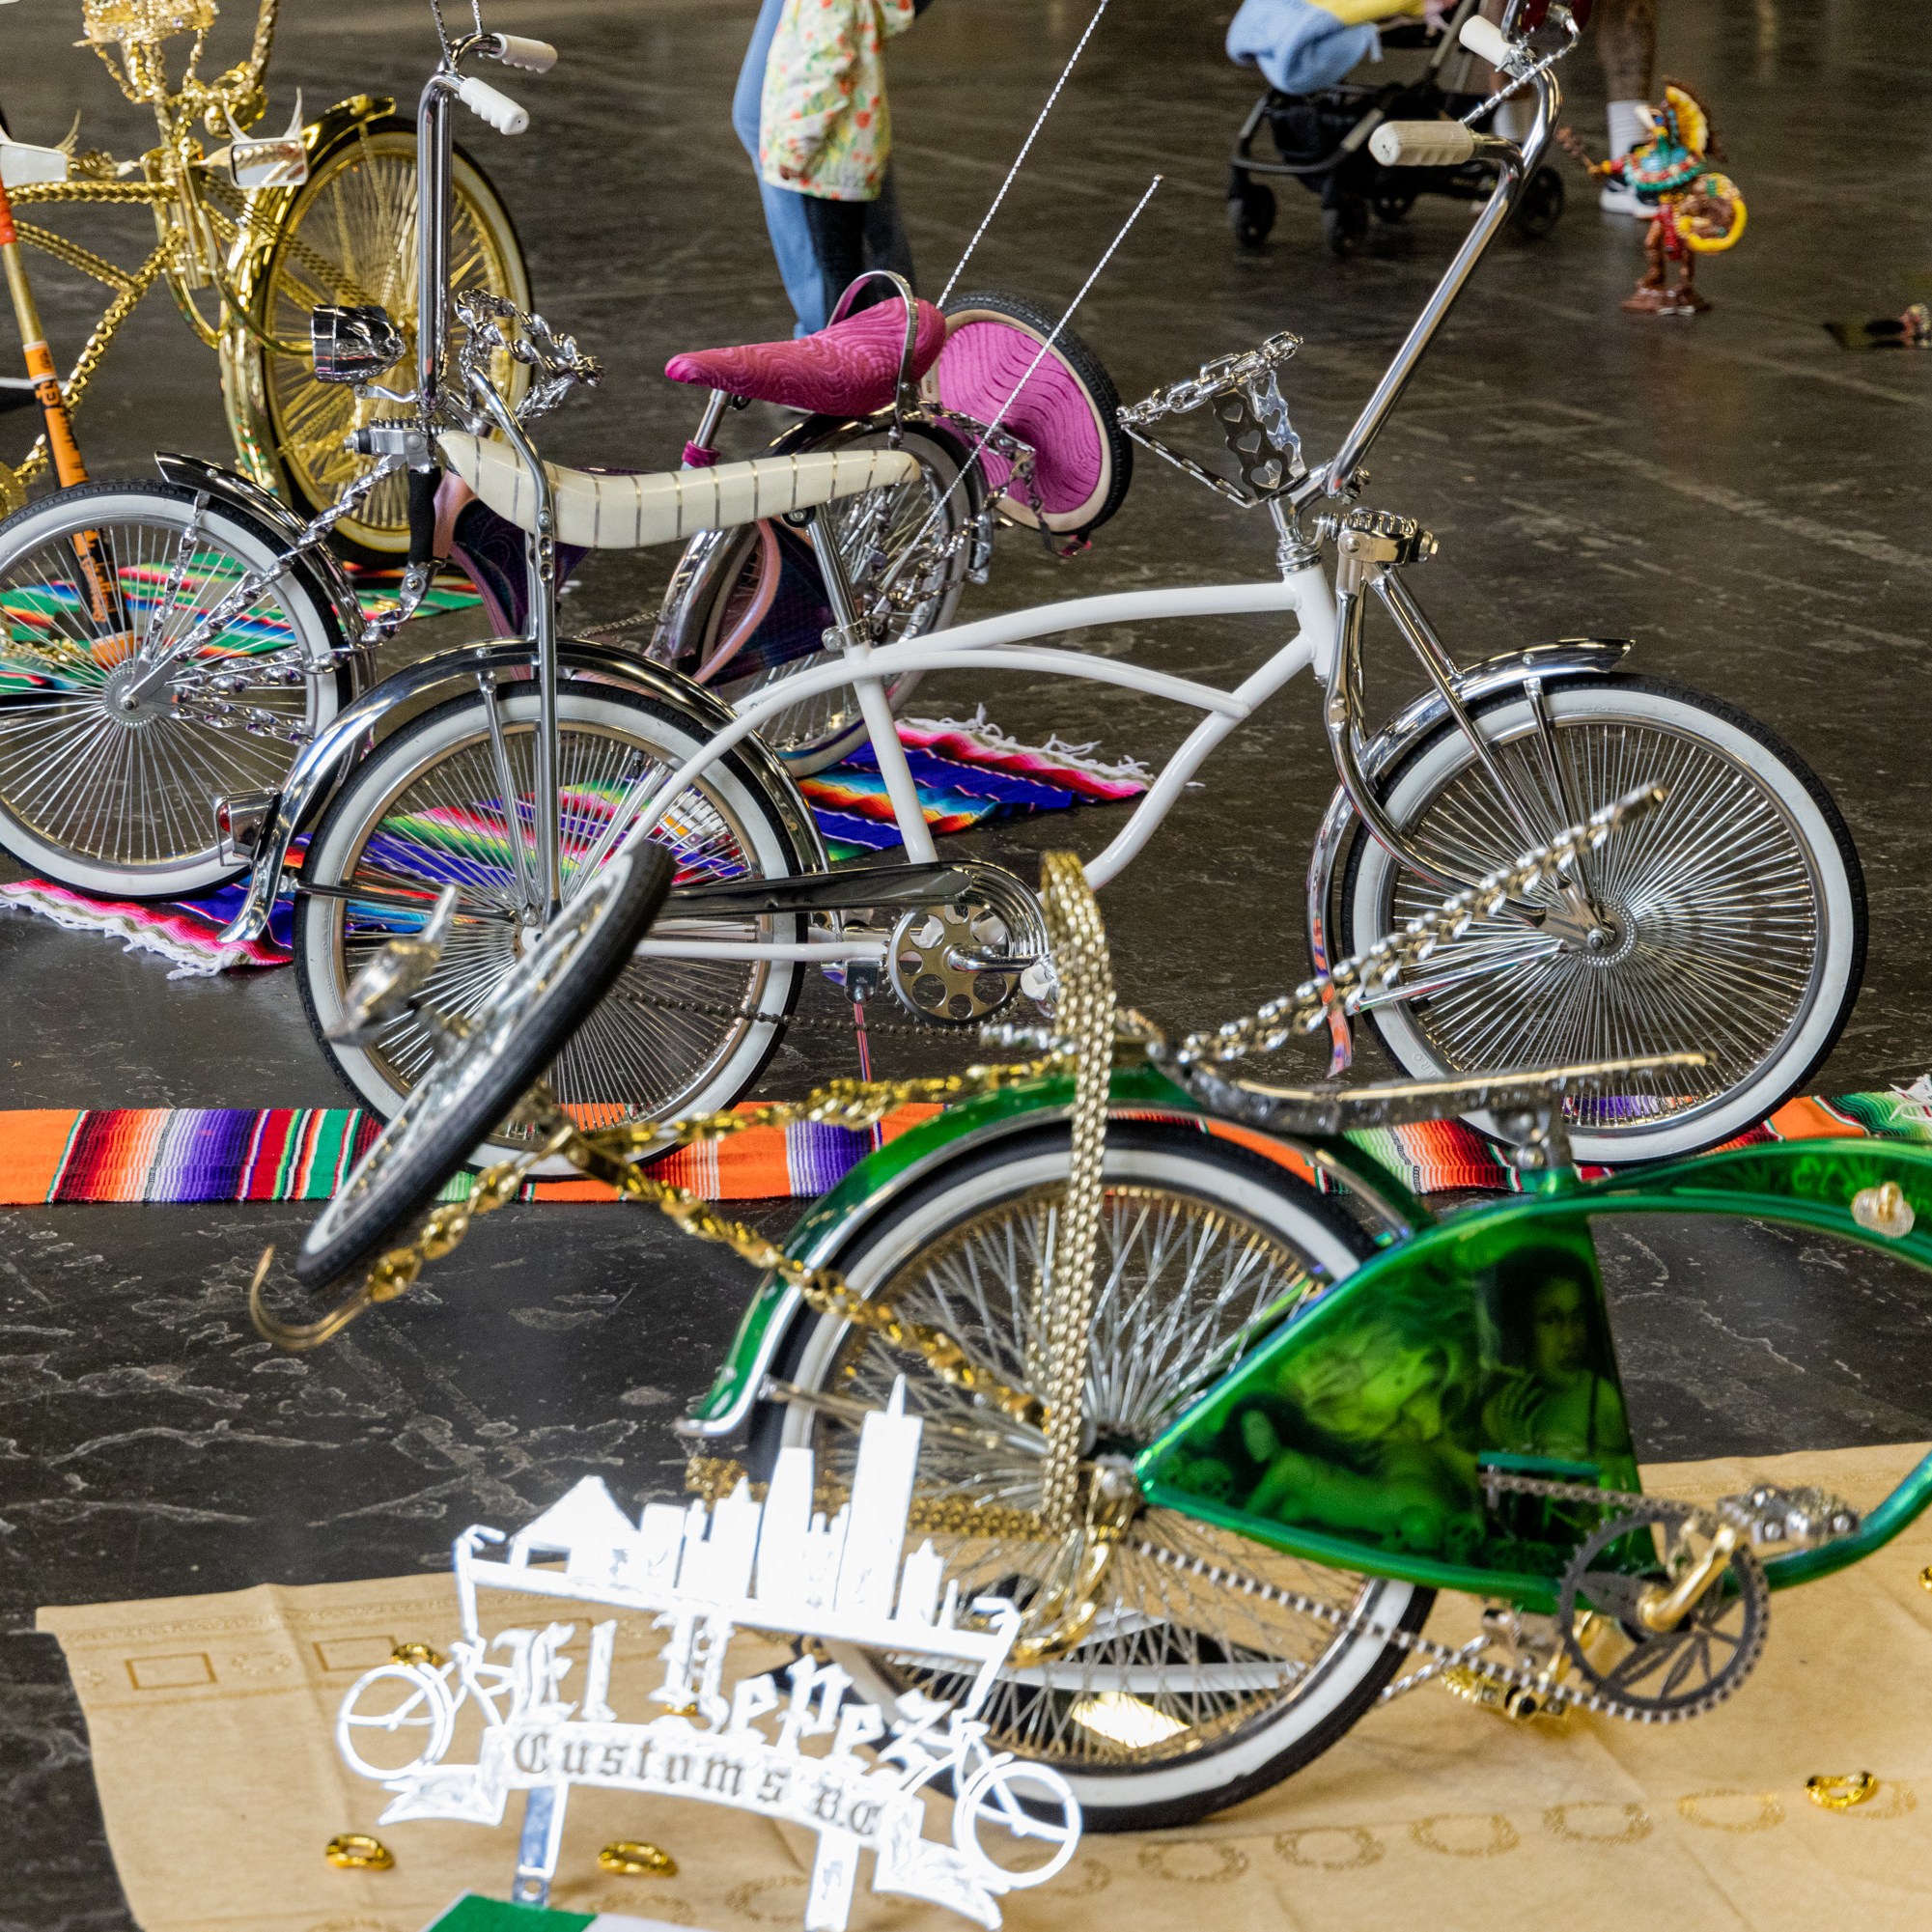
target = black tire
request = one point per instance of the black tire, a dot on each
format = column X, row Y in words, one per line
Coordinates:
column 1243, row 1200
column 1345, row 227
column 549, row 993
column 1541, row 207
column 1789, row 787
column 1037, row 321
column 1250, row 215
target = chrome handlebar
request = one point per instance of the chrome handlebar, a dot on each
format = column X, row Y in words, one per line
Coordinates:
column 1251, row 372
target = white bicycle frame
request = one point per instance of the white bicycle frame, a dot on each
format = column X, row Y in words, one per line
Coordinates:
column 1327, row 640
column 999, row 643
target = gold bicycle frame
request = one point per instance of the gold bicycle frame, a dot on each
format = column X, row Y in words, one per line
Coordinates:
column 210, row 234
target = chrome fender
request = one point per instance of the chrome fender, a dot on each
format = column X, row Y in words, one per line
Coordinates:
column 1567, row 658
column 453, row 673
column 197, row 473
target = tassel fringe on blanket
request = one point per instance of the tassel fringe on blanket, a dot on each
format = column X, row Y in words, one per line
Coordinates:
column 967, row 769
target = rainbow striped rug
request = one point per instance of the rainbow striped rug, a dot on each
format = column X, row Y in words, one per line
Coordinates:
column 60, row 1156
column 68, row 1155
column 967, row 769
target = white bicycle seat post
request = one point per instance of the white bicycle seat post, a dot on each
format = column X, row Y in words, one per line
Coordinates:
column 874, row 706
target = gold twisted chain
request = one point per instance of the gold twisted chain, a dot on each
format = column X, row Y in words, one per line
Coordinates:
column 1085, row 1014
column 612, row 1154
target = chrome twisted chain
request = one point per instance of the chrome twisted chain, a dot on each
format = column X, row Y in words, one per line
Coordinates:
column 1213, row 378
column 1274, row 1024
column 1251, row 372
column 492, row 325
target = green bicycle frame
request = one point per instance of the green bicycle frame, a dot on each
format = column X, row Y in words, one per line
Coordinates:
column 1358, row 1436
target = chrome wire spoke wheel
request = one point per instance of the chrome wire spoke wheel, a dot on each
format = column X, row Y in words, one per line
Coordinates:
column 107, row 788
column 1181, row 1690
column 350, row 237
column 926, row 517
column 482, row 1073
column 1729, row 920
column 430, row 809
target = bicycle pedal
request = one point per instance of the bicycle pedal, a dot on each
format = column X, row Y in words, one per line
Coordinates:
column 1798, row 1519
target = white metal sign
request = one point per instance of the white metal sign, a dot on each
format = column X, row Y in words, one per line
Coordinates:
column 703, row 1574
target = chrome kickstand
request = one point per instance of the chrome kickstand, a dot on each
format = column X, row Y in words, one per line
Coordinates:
column 541, row 1841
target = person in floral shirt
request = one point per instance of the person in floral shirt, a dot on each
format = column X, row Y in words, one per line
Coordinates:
column 825, row 130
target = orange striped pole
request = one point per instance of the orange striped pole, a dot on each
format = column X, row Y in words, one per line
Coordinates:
column 69, row 467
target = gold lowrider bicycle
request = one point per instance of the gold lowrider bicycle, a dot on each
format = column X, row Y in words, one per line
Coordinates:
column 252, row 236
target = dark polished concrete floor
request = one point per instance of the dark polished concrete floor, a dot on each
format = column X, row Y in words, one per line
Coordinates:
column 1739, row 495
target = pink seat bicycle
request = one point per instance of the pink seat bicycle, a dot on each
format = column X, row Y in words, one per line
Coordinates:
column 747, row 607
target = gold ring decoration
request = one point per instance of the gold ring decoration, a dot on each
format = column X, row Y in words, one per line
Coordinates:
column 1841, row 1792
column 1365, row 1848
column 357, row 1851
column 1925, row 1578
column 1502, row 1836
column 1622, row 1824
column 1197, row 1863
column 425, row 1654
column 1769, row 1812
column 630, row 1858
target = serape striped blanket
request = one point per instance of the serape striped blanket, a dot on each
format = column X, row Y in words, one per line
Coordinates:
column 967, row 771
column 67, row 1155
column 44, row 624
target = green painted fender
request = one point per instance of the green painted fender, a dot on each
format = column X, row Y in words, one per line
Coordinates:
column 1443, row 1308
column 885, row 1175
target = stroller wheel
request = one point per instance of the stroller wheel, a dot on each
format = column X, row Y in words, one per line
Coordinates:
column 1250, row 213
column 1393, row 208
column 1542, row 204
column 1345, row 227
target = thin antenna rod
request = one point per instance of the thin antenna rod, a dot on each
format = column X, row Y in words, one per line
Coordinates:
column 1013, row 395
column 986, row 222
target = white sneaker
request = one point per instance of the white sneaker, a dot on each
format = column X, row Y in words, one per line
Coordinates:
column 1616, row 198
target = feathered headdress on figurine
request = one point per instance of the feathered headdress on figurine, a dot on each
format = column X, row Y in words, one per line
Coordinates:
column 1694, row 209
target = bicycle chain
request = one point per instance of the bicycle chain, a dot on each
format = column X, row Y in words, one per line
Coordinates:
column 1442, row 1657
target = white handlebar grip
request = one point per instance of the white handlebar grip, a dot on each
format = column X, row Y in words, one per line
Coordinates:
column 487, row 105
column 513, row 50
column 1485, row 39
column 1422, row 143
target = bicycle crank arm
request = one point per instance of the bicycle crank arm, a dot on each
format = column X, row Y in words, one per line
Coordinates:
column 849, row 889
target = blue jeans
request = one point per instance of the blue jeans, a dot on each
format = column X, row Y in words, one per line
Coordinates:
column 784, row 209
column 799, row 267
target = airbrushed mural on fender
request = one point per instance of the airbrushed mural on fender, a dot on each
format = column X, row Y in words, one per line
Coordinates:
column 778, row 1566
column 1361, row 1433
column 1374, row 1414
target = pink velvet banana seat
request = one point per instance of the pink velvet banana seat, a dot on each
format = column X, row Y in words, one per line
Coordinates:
column 849, row 369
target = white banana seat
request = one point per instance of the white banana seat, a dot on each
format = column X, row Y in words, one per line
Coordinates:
column 629, row 512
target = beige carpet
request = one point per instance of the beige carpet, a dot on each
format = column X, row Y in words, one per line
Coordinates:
column 212, row 1719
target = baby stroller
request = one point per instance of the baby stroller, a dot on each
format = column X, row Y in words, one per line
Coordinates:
column 1322, row 134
